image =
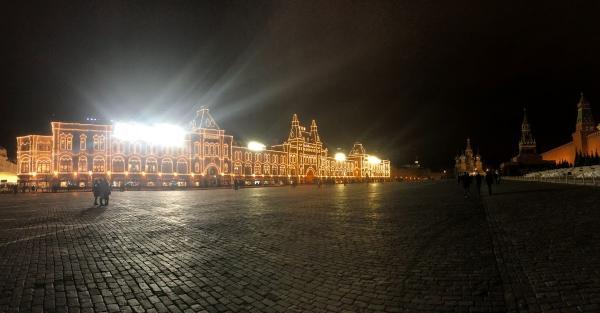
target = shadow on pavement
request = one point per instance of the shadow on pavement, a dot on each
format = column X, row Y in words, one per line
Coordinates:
column 93, row 211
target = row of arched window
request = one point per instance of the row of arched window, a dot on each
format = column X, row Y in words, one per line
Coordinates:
column 120, row 147
column 259, row 157
column 66, row 142
column 258, row 169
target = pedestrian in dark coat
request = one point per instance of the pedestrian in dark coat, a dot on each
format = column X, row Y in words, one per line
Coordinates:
column 96, row 190
column 478, row 180
column 105, row 192
column 466, row 183
column 489, row 180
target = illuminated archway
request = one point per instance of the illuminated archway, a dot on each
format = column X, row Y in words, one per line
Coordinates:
column 310, row 176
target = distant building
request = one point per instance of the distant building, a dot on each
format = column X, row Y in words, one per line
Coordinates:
column 76, row 153
column 586, row 138
column 8, row 169
column 412, row 171
column 528, row 159
column 468, row 161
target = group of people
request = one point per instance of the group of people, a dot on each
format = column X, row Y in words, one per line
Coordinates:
column 101, row 190
column 466, row 180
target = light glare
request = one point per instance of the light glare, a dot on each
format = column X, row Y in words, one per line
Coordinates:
column 373, row 159
column 256, row 146
column 157, row 134
column 340, row 157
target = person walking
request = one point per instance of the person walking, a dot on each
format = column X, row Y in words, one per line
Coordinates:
column 96, row 191
column 105, row 189
column 489, row 180
column 478, row 179
column 466, row 183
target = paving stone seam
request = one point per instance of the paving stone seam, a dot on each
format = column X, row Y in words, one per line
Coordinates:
column 515, row 290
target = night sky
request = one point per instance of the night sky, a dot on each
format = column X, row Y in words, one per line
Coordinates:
column 406, row 78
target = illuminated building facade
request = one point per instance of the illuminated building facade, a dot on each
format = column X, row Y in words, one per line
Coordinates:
column 8, row 169
column 468, row 161
column 76, row 153
column 586, row 138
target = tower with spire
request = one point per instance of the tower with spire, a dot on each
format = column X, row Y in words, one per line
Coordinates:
column 584, row 126
column 527, row 143
column 295, row 130
column 527, row 159
column 314, row 133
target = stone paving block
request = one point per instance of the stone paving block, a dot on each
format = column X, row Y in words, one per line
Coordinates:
column 363, row 248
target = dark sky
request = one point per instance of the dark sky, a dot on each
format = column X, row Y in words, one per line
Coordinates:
column 405, row 77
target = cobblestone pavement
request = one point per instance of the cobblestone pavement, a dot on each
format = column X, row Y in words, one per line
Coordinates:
column 361, row 248
column 547, row 240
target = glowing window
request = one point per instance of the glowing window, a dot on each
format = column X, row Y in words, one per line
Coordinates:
column 65, row 164
column 98, row 165
column 82, row 164
column 43, row 166
column 82, row 140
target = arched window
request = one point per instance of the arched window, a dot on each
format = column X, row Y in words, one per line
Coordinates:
column 182, row 166
column 98, row 165
column 99, row 142
column 237, row 169
column 118, row 165
column 248, row 169
column 63, row 142
column 238, row 155
column 82, row 141
column 166, row 166
column 24, row 165
column 266, row 169
column 82, row 165
column 197, row 166
column 65, row 164
column 151, row 165
column 282, row 170
column 135, row 165
column 274, row 169
column 248, row 156
column 43, row 166
column 225, row 168
column 257, row 169
column 225, row 150
column 69, row 142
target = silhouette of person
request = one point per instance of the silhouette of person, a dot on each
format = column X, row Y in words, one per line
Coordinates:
column 489, row 180
column 105, row 192
column 466, row 183
column 96, row 191
column 478, row 183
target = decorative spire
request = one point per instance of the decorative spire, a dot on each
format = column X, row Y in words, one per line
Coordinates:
column 527, row 143
column 314, row 134
column 585, row 119
column 295, row 131
column 525, row 124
